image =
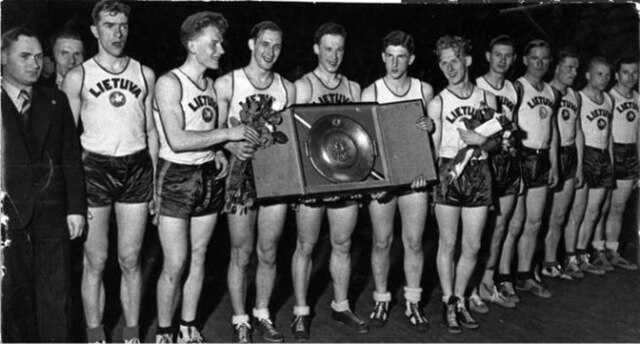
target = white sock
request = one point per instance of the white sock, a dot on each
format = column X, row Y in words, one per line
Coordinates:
column 612, row 245
column 381, row 297
column 598, row 244
column 340, row 306
column 301, row 310
column 262, row 313
column 413, row 295
column 239, row 319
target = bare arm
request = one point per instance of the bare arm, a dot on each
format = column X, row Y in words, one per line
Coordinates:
column 152, row 132
column 71, row 86
column 291, row 92
column 579, row 179
column 553, row 148
column 434, row 109
column 303, row 91
column 357, row 91
column 369, row 93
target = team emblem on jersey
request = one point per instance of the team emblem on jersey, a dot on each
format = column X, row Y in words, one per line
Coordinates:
column 565, row 114
column 207, row 114
column 602, row 124
column 543, row 112
column 117, row 99
column 631, row 116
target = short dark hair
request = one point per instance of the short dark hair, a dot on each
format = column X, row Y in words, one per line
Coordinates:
column 12, row 35
column 330, row 28
column 567, row 52
column 65, row 33
column 626, row 59
column 399, row 38
column 113, row 7
column 597, row 60
column 198, row 21
column 258, row 29
column 501, row 40
column 536, row 43
column 461, row 45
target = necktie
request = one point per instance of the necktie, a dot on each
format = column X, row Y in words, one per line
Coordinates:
column 26, row 105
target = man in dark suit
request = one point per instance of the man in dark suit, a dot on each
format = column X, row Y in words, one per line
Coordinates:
column 45, row 198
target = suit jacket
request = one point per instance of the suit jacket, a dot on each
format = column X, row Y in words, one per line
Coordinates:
column 42, row 164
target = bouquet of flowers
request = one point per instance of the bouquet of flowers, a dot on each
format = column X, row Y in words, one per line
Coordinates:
column 258, row 113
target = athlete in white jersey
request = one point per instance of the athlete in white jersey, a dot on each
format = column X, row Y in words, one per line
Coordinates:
column 413, row 204
column 506, row 183
column 325, row 85
column 190, row 180
column 625, row 130
column 467, row 198
column 595, row 118
column 571, row 177
column 535, row 115
column 111, row 95
column 240, row 86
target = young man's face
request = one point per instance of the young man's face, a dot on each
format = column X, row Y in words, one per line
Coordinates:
column 598, row 76
column 67, row 53
column 112, row 31
column 22, row 61
column 207, row 47
column 266, row 48
column 537, row 61
column 330, row 51
column 453, row 65
column 500, row 58
column 567, row 70
column 627, row 76
column 397, row 60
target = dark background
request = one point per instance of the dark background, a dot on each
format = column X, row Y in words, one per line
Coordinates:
column 609, row 29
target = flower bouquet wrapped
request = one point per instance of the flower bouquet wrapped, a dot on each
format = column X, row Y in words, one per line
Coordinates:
column 258, row 113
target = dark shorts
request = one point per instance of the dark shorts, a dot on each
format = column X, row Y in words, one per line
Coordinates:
column 568, row 162
column 625, row 158
column 535, row 165
column 185, row 191
column 124, row 179
column 471, row 189
column 506, row 174
column 598, row 172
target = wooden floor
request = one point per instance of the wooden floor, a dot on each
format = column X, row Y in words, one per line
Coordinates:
column 596, row 309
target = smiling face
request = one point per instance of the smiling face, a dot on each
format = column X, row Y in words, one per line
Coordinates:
column 22, row 61
column 453, row 65
column 500, row 58
column 67, row 53
column 207, row 47
column 397, row 60
column 266, row 49
column 330, row 51
column 111, row 31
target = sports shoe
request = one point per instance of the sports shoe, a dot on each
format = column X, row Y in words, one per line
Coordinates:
column 617, row 260
column 450, row 316
column 134, row 340
column 534, row 287
column 348, row 318
column 267, row 330
column 464, row 317
column 586, row 266
column 380, row 314
column 477, row 305
column 242, row 333
column 572, row 269
column 300, row 327
column 506, row 289
column 492, row 295
column 416, row 317
column 555, row 270
column 601, row 261
column 164, row 338
column 189, row 334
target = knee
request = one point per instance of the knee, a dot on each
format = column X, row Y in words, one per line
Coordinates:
column 304, row 247
column 341, row 246
column 129, row 262
column 470, row 250
column 446, row 246
column 198, row 256
column 240, row 255
column 173, row 268
column 267, row 254
column 412, row 244
column 95, row 263
column 382, row 244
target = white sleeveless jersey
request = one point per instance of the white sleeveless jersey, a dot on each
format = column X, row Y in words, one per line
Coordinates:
column 454, row 109
column 567, row 117
column 534, row 114
column 507, row 96
column 625, row 123
column 595, row 119
column 113, row 110
column 384, row 95
column 200, row 113
column 322, row 94
column 243, row 89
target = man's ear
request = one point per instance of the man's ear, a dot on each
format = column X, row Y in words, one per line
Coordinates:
column 316, row 49
column 412, row 58
column 251, row 43
column 468, row 60
column 94, row 31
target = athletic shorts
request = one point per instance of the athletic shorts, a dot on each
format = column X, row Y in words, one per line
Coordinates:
column 598, row 172
column 124, row 179
column 506, row 174
column 185, row 191
column 471, row 189
column 568, row 163
column 535, row 165
column 625, row 158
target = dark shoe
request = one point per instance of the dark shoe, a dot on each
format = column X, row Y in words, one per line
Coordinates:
column 506, row 289
column 464, row 317
column 268, row 330
column 380, row 314
column 602, row 262
column 617, row 260
column 584, row 263
column 450, row 317
column 300, row 327
column 242, row 333
column 348, row 318
column 416, row 317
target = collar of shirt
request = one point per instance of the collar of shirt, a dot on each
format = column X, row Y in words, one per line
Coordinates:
column 14, row 93
column 59, row 79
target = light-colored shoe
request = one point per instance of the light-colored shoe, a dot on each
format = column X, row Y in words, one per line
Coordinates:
column 477, row 305
column 555, row 270
column 491, row 294
column 602, row 262
column 534, row 287
column 133, row 340
column 617, row 260
column 572, row 269
column 585, row 265
column 164, row 338
column 189, row 334
column 507, row 290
